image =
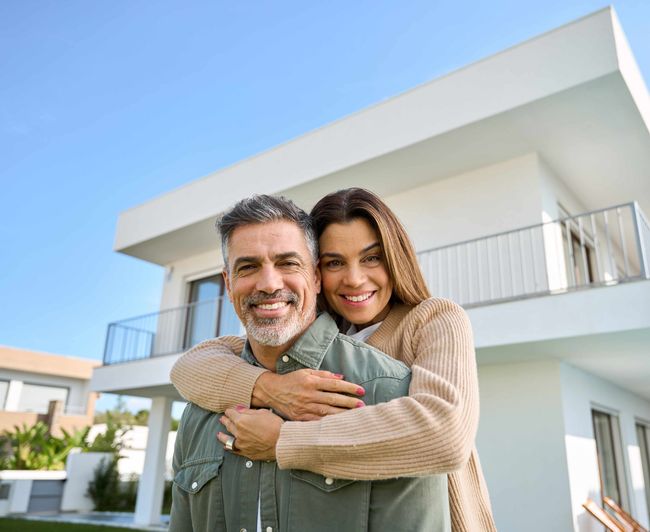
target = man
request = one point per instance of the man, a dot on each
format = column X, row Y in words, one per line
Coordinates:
column 270, row 253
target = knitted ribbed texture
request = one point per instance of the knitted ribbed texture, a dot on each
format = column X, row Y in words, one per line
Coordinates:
column 429, row 432
column 215, row 382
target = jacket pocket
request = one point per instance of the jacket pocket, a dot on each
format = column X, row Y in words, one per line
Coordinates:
column 318, row 503
column 195, row 474
column 319, row 481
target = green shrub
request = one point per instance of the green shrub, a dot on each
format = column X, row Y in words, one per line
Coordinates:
column 104, row 488
column 35, row 448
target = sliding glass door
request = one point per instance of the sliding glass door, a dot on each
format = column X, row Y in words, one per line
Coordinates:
column 209, row 312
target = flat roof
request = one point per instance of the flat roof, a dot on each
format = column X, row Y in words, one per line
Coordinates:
column 574, row 94
column 16, row 359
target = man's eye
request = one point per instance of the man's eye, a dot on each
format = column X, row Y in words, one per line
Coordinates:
column 245, row 268
column 289, row 264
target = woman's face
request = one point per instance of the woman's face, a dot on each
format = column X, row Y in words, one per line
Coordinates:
column 355, row 280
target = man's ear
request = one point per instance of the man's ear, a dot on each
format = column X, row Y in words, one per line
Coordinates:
column 317, row 278
column 226, row 281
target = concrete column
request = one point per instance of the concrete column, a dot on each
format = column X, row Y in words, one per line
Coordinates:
column 53, row 416
column 13, row 395
column 148, row 504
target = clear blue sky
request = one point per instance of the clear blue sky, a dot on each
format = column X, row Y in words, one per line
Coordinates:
column 106, row 104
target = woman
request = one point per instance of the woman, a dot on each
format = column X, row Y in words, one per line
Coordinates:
column 372, row 284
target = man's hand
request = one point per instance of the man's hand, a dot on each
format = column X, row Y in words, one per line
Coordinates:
column 256, row 432
column 306, row 394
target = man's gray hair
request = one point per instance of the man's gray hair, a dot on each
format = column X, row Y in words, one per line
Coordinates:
column 262, row 208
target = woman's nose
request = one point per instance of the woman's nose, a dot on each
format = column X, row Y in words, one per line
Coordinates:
column 354, row 276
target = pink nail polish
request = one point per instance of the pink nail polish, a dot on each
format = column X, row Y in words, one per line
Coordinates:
column 360, row 404
column 361, row 391
column 338, row 375
column 239, row 408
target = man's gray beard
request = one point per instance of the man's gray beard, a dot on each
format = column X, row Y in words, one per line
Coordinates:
column 275, row 331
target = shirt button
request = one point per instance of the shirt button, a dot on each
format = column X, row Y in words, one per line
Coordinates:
column 329, row 481
column 194, row 485
column 269, row 529
column 242, row 530
column 285, row 358
column 249, row 464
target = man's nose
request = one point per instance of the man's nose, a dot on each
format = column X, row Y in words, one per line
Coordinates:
column 270, row 280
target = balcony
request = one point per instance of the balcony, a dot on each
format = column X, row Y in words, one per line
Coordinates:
column 594, row 249
column 598, row 248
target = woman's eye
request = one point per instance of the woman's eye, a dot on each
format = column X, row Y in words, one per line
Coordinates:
column 333, row 264
column 373, row 259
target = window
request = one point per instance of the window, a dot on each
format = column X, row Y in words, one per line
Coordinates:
column 210, row 313
column 643, row 437
column 37, row 397
column 610, row 465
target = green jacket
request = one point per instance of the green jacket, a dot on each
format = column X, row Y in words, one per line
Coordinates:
column 215, row 490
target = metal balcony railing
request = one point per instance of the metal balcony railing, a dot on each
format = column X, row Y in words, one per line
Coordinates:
column 602, row 247
column 169, row 331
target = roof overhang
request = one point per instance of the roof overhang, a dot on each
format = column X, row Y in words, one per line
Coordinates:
column 573, row 95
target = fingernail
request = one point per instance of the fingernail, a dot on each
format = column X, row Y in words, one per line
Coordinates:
column 239, row 408
column 361, row 391
column 338, row 375
column 221, row 419
column 360, row 404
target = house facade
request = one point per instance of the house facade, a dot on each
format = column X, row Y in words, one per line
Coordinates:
column 523, row 180
column 54, row 389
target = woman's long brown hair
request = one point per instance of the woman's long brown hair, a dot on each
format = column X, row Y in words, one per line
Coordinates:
column 349, row 204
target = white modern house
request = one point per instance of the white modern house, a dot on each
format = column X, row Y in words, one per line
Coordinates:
column 523, row 180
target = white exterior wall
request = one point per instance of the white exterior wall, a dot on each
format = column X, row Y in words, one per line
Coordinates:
column 487, row 200
column 554, row 190
column 581, row 392
column 521, row 446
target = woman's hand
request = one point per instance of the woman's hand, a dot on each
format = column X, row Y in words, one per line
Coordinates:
column 306, row 394
column 256, row 432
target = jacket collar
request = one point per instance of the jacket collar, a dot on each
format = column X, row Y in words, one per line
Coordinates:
column 308, row 350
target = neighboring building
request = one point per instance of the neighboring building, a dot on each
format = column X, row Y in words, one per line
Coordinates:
column 30, row 381
column 522, row 179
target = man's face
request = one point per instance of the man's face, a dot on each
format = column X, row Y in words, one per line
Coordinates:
column 272, row 281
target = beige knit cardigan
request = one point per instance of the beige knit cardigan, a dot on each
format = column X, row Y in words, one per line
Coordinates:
column 429, row 432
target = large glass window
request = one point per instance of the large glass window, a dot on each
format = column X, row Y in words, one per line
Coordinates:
column 612, row 479
column 643, row 437
column 210, row 313
column 37, row 397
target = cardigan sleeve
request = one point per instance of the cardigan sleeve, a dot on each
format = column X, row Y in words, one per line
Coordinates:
column 212, row 375
column 431, row 431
